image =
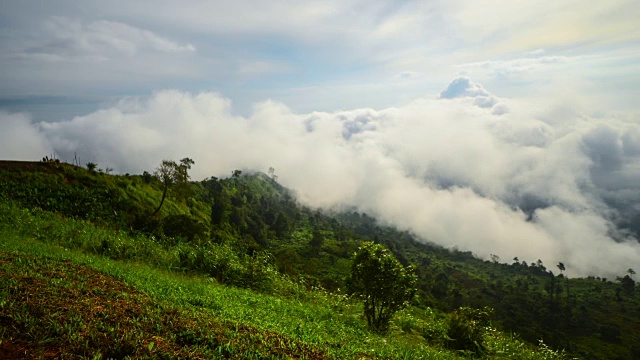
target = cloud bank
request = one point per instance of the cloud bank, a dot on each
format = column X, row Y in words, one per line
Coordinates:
column 467, row 169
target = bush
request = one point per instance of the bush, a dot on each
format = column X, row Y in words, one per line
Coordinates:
column 467, row 328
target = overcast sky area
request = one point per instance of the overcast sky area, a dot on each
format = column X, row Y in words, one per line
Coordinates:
column 497, row 128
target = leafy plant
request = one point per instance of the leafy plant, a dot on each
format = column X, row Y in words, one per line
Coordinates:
column 383, row 284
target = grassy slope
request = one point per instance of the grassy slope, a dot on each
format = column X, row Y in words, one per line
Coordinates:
column 51, row 306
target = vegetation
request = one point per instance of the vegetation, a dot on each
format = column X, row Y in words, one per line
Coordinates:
column 236, row 268
column 382, row 282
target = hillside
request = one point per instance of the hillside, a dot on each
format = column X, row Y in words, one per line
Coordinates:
column 248, row 232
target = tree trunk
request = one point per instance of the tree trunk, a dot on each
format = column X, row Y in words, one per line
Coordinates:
column 164, row 195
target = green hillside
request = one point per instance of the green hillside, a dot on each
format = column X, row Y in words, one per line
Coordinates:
column 236, row 268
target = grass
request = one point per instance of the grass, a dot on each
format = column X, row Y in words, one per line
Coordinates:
column 313, row 324
column 65, row 294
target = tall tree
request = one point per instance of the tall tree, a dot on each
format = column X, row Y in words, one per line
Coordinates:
column 172, row 174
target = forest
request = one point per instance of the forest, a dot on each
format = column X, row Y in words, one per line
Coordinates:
column 236, row 267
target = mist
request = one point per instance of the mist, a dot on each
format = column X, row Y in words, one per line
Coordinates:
column 517, row 178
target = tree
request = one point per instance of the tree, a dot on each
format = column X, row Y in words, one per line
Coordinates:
column 146, row 176
column 384, row 285
column 541, row 265
column 183, row 169
column 182, row 188
column 172, row 174
column 628, row 285
column 561, row 267
column 91, row 166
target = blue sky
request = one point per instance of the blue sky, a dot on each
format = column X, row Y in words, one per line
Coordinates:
column 314, row 55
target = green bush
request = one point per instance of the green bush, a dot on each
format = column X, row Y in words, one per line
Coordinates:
column 467, row 328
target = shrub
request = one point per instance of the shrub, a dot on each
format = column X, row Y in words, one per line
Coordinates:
column 467, row 327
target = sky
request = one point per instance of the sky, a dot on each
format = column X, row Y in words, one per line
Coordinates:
column 497, row 128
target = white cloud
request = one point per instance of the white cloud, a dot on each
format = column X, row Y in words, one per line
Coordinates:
column 448, row 170
column 258, row 67
column 20, row 140
column 462, row 87
column 529, row 25
column 67, row 39
column 536, row 52
column 518, row 66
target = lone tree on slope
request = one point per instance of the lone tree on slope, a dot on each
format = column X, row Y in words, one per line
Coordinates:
column 172, row 174
column 384, row 285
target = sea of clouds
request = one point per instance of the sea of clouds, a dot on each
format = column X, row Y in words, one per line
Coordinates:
column 465, row 169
